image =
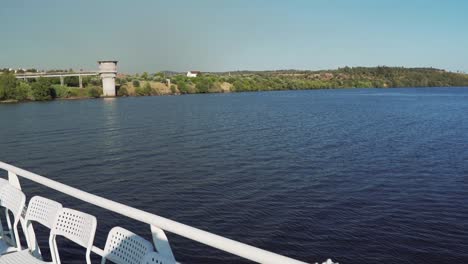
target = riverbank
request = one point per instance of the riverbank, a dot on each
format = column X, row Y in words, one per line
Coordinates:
column 13, row 90
column 132, row 94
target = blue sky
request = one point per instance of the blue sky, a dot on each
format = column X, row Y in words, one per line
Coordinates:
column 221, row 35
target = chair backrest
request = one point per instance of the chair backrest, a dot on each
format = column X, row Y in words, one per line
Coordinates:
column 77, row 226
column 156, row 258
column 43, row 211
column 13, row 199
column 125, row 247
column 3, row 182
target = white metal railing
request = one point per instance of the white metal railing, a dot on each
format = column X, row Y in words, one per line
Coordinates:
column 54, row 75
column 157, row 223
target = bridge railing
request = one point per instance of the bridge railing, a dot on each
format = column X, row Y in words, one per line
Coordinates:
column 157, row 223
column 54, row 74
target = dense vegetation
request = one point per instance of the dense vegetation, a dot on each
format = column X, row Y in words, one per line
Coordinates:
column 241, row 81
column 358, row 77
column 42, row 89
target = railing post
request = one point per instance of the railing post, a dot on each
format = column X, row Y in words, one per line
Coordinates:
column 161, row 243
column 13, row 179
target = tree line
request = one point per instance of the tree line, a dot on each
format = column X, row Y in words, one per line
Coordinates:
column 241, row 81
column 42, row 89
column 347, row 77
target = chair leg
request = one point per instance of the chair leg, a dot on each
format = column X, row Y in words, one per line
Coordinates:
column 54, row 250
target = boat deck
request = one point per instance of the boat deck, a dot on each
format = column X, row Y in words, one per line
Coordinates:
column 122, row 246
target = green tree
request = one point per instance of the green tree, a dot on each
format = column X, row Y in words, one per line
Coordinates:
column 136, row 83
column 144, row 76
column 203, row 84
column 42, row 90
column 173, row 89
column 23, row 91
column 7, row 86
column 183, row 87
column 61, row 91
column 71, row 81
column 147, row 88
column 159, row 76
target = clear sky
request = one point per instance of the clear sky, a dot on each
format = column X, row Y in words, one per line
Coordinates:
column 222, row 35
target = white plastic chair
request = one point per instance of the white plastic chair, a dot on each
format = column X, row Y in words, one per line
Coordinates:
column 76, row 226
column 2, row 183
column 156, row 258
column 125, row 247
column 13, row 201
column 43, row 211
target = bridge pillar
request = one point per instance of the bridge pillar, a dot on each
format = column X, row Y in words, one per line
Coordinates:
column 108, row 72
column 80, row 80
column 62, row 81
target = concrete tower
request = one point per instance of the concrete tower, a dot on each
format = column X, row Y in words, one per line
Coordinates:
column 108, row 72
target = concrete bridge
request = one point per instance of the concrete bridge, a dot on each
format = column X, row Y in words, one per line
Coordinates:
column 107, row 72
column 60, row 75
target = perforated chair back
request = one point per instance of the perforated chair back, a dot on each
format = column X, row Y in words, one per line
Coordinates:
column 43, row 211
column 2, row 183
column 156, row 258
column 76, row 226
column 125, row 247
column 13, row 199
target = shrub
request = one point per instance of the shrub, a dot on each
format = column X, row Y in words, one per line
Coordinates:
column 75, row 92
column 149, row 90
column 173, row 89
column 139, row 91
column 136, row 83
column 123, row 91
column 203, row 85
column 94, row 92
column 62, row 91
column 42, row 90
column 71, row 81
column 23, row 91
column 183, row 87
column 145, row 90
column 7, row 86
column 215, row 88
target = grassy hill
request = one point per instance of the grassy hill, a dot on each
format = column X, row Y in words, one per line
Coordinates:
column 358, row 77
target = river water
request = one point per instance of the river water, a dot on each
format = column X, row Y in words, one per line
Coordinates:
column 356, row 175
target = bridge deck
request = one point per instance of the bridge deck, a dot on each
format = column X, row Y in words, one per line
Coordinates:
column 55, row 74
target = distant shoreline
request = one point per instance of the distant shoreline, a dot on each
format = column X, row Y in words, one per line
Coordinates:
column 164, row 83
column 12, row 101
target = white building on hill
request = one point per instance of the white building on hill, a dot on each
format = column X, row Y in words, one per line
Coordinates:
column 192, row 74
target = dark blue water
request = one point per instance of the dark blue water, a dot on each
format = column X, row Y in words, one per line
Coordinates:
column 359, row 176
